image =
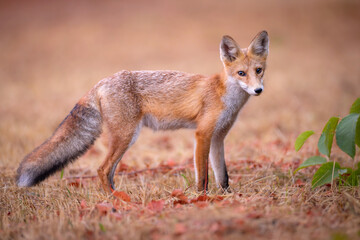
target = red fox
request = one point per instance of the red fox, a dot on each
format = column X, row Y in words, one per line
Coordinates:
column 161, row 100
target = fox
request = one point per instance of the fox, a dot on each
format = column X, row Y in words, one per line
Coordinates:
column 160, row 100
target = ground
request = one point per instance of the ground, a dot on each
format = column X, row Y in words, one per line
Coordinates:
column 52, row 53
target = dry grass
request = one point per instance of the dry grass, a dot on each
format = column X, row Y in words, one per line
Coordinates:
column 53, row 53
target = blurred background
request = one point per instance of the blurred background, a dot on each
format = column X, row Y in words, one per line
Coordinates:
column 53, row 52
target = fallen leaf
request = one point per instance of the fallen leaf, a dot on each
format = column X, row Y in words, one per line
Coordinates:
column 180, row 202
column 201, row 198
column 217, row 198
column 179, row 194
column 122, row 195
column 156, row 206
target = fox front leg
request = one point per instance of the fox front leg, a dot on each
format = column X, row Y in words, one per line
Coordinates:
column 217, row 160
column 202, row 148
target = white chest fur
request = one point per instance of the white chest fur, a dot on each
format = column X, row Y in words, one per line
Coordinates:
column 234, row 100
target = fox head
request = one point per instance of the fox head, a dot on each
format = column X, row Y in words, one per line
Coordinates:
column 246, row 66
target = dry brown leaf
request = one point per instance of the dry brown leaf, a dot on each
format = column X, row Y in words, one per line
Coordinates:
column 156, row 206
column 122, row 195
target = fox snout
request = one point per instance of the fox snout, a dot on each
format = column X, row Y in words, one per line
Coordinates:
column 252, row 90
column 258, row 91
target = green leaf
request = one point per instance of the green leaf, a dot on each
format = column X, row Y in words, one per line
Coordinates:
column 327, row 136
column 300, row 140
column 324, row 174
column 355, row 108
column 357, row 134
column 353, row 179
column 62, row 174
column 345, row 134
column 312, row 161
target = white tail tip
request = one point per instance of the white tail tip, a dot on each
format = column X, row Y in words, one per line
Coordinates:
column 24, row 180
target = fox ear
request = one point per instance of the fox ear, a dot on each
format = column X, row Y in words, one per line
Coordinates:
column 259, row 46
column 229, row 49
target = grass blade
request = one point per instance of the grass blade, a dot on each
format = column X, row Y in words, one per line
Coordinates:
column 186, row 180
column 102, row 228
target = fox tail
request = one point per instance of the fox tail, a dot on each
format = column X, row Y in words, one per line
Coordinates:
column 71, row 139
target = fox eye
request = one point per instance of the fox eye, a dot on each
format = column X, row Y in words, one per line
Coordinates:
column 242, row 73
column 258, row 70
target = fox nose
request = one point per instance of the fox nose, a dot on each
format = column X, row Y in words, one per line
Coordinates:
column 258, row 90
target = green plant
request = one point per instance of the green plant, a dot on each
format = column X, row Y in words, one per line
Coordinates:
column 347, row 134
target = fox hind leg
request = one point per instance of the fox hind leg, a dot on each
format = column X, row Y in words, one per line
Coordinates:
column 117, row 148
column 121, row 137
column 112, row 159
column 114, row 165
column 122, row 117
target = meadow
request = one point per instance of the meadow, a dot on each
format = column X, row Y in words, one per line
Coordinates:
column 53, row 53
